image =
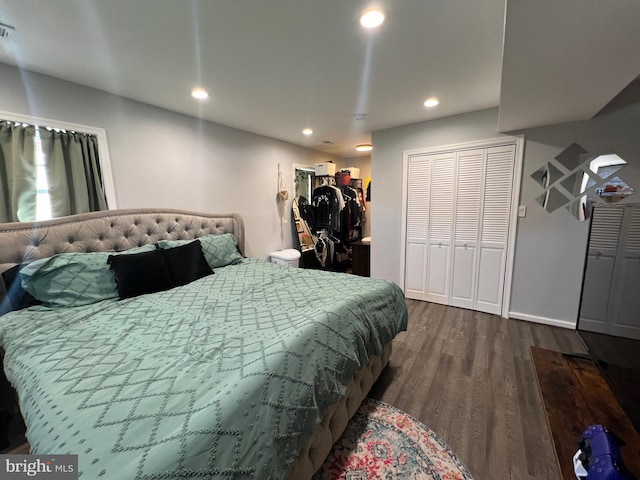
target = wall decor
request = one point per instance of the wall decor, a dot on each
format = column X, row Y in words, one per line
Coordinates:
column 578, row 179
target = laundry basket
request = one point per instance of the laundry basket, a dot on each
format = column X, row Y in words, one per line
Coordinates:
column 289, row 257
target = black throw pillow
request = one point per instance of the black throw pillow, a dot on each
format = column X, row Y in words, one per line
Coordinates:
column 186, row 263
column 17, row 297
column 140, row 273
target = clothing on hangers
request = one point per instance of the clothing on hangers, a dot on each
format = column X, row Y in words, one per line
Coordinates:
column 327, row 202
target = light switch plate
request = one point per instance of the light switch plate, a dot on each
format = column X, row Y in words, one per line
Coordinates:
column 522, row 211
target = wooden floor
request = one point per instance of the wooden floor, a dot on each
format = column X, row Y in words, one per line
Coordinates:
column 576, row 395
column 469, row 376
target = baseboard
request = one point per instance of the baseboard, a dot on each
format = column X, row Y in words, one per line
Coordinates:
column 544, row 320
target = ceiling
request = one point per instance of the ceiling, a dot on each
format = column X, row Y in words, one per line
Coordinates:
column 565, row 60
column 276, row 67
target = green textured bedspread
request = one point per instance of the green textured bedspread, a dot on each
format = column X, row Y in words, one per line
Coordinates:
column 223, row 378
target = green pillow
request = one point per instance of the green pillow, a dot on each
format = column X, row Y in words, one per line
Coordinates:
column 73, row 279
column 166, row 244
column 219, row 250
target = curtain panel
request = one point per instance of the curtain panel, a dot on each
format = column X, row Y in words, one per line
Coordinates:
column 72, row 169
column 73, row 172
column 17, row 172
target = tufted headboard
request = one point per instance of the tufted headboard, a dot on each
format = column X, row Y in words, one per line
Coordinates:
column 110, row 230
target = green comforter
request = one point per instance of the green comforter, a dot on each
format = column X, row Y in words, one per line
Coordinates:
column 223, row 378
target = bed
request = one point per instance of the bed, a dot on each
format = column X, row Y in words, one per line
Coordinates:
column 250, row 372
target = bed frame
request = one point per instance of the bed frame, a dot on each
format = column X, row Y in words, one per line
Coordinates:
column 117, row 230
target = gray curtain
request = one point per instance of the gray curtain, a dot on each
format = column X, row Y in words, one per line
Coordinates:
column 73, row 171
column 17, row 172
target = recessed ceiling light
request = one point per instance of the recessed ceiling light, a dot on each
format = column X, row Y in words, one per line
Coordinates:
column 307, row 131
column 365, row 147
column 371, row 18
column 431, row 102
column 199, row 93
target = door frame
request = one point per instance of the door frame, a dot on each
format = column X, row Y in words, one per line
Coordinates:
column 518, row 141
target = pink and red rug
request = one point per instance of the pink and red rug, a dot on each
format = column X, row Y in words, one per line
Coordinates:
column 382, row 442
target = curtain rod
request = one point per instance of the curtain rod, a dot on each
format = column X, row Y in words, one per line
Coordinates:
column 51, row 129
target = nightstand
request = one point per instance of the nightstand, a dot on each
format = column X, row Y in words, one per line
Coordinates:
column 360, row 258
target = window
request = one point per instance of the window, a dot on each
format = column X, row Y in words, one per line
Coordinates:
column 43, row 198
column 54, row 169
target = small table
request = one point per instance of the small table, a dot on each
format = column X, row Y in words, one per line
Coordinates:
column 360, row 258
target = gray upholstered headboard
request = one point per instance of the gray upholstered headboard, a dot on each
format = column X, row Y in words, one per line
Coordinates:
column 110, row 230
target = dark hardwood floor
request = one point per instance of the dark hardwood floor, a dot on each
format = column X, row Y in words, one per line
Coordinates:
column 469, row 376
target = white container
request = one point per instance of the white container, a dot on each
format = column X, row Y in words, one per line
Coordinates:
column 355, row 171
column 289, row 257
column 325, row 168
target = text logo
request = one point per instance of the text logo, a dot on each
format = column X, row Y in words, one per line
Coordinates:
column 49, row 467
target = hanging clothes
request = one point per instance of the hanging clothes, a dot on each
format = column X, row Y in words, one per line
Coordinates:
column 337, row 215
column 325, row 251
column 349, row 216
column 327, row 203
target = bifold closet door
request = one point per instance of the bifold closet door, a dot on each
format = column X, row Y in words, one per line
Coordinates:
column 458, row 212
column 625, row 300
column 440, row 227
column 429, row 226
column 494, row 230
column 606, row 225
column 466, row 226
column 418, row 193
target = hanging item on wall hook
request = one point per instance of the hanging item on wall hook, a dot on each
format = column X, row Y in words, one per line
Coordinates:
column 281, row 199
column 282, row 190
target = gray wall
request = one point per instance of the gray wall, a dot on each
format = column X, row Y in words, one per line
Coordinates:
column 164, row 159
column 550, row 248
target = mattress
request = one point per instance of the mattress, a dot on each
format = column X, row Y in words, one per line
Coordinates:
column 225, row 377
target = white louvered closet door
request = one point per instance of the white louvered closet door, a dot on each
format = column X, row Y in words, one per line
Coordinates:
column 494, row 230
column 440, row 227
column 625, row 301
column 419, row 182
column 606, row 225
column 466, row 226
column 458, row 217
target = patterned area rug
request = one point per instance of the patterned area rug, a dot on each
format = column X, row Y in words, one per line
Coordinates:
column 382, row 442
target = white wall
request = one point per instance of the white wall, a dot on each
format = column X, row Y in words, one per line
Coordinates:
column 550, row 248
column 164, row 159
